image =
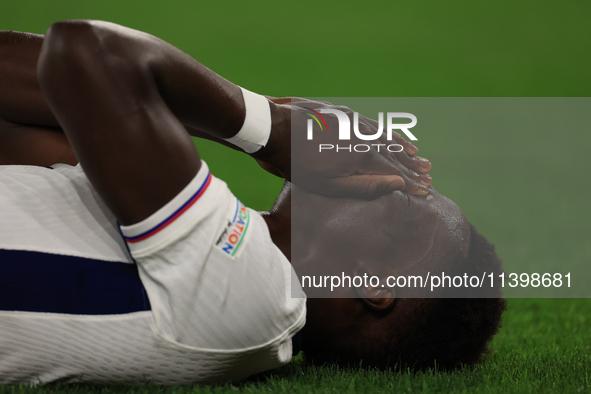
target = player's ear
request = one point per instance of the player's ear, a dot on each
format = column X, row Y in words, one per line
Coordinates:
column 379, row 298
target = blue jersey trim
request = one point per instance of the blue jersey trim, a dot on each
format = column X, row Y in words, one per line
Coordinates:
column 51, row 283
column 174, row 215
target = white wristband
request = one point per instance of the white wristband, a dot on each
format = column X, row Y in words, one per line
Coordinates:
column 256, row 129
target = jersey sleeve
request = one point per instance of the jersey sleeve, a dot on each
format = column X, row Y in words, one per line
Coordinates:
column 215, row 280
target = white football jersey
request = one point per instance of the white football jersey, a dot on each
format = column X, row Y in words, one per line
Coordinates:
column 197, row 292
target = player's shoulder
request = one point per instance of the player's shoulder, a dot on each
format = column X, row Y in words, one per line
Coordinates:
column 206, row 245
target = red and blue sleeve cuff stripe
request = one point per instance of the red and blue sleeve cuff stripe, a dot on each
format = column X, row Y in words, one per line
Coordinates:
column 176, row 214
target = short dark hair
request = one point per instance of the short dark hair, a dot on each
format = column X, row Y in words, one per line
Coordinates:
column 442, row 332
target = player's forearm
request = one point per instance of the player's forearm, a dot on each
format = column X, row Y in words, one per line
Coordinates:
column 21, row 100
column 203, row 101
column 207, row 104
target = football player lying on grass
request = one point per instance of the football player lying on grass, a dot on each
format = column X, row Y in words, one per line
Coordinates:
column 140, row 265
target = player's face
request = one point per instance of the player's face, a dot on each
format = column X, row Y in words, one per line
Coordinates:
column 396, row 234
column 408, row 235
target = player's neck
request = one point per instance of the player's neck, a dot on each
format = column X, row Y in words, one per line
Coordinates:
column 279, row 221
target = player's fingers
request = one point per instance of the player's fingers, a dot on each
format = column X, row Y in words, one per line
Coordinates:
column 381, row 165
column 415, row 183
column 415, row 163
column 423, row 179
column 407, row 155
column 409, row 147
column 364, row 186
column 419, row 188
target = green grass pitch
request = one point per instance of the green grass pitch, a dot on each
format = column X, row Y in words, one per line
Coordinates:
column 543, row 347
column 528, row 194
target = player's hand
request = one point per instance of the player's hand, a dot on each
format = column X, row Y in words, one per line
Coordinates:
column 357, row 174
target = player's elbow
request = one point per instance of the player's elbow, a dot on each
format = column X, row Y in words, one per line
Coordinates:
column 66, row 34
column 67, row 48
column 77, row 49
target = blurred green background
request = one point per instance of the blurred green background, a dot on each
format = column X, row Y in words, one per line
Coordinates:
column 527, row 193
